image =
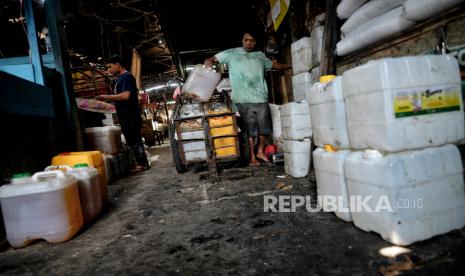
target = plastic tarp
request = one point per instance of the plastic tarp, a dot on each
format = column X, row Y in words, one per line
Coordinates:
column 347, row 7
column 375, row 30
column 367, row 12
column 418, row 10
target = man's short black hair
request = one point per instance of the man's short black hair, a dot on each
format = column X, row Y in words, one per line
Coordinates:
column 117, row 59
column 255, row 33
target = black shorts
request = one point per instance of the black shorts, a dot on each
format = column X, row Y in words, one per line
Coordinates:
column 257, row 118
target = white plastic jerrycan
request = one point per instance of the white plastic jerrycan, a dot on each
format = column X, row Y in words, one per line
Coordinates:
column 201, row 83
column 89, row 188
column 330, row 180
column 45, row 206
column 408, row 196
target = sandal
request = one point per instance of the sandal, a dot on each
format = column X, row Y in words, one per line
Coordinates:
column 138, row 168
column 262, row 159
column 254, row 164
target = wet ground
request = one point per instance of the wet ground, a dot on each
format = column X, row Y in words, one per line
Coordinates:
column 162, row 222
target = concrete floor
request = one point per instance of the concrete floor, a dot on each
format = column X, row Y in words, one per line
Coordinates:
column 162, row 222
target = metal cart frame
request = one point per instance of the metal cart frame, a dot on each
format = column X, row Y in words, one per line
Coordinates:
column 177, row 141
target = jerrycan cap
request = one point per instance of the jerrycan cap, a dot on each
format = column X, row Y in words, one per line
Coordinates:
column 81, row 165
column 370, row 154
column 329, row 148
column 17, row 176
column 327, row 78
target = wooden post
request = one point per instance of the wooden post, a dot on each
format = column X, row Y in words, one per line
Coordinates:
column 55, row 23
column 36, row 57
column 331, row 33
column 284, row 90
column 297, row 19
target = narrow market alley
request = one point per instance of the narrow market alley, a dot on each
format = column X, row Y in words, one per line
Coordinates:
column 245, row 137
column 162, row 222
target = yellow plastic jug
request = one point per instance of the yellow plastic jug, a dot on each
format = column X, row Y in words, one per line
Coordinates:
column 92, row 158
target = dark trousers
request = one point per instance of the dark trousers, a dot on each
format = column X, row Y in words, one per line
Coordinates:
column 130, row 126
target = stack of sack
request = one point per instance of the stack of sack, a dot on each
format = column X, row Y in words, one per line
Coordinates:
column 372, row 21
column 403, row 116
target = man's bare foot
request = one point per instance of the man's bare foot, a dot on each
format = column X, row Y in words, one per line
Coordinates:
column 254, row 162
column 262, row 157
column 138, row 168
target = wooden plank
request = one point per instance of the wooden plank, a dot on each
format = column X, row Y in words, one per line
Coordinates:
column 24, row 97
column 136, row 67
column 284, row 90
column 23, row 71
column 47, row 60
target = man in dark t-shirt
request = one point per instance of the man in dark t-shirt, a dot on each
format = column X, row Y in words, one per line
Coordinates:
column 127, row 108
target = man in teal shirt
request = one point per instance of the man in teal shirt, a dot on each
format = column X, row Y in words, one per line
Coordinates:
column 249, row 89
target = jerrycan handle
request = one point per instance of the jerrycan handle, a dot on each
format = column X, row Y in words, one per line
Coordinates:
column 58, row 174
column 57, row 167
column 209, row 68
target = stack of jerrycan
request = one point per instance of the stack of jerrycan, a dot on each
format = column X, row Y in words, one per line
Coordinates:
column 93, row 159
column 306, row 56
column 118, row 165
column 301, row 52
column 405, row 114
column 296, row 132
column 108, row 141
column 329, row 127
column 44, row 206
column 89, row 188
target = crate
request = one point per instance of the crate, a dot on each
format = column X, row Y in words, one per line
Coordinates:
column 226, row 147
